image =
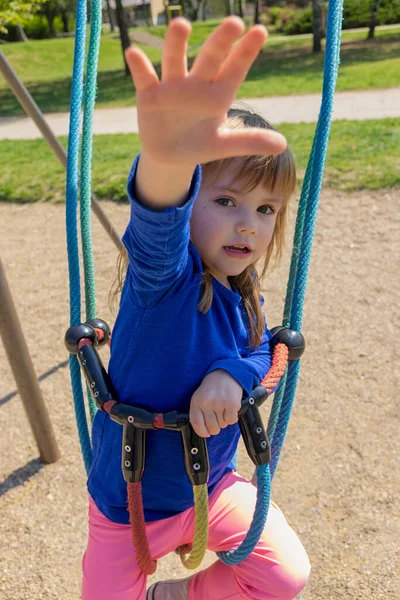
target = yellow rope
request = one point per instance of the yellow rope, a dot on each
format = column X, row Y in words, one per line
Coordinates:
column 191, row 556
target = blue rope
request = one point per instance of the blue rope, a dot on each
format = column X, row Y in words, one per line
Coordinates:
column 284, row 397
column 317, row 161
column 86, row 172
column 234, row 557
column 86, row 159
column 71, row 226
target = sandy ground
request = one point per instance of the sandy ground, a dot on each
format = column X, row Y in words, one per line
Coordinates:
column 338, row 479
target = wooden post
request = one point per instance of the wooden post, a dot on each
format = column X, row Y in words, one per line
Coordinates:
column 24, row 374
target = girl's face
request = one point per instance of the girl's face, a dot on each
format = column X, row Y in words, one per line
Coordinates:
column 232, row 229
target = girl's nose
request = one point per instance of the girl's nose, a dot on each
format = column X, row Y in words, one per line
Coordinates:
column 247, row 226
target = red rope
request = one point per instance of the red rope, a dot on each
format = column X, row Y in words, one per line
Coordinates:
column 107, row 406
column 136, row 517
column 84, row 342
column 159, row 421
column 139, row 537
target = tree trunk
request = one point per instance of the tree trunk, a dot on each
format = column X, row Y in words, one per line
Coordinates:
column 50, row 13
column 202, row 13
column 317, row 25
column 123, row 30
column 374, row 19
column 50, row 20
column 194, row 7
column 257, row 12
column 165, row 3
column 88, row 11
column 110, row 15
column 64, row 18
column 21, row 35
column 240, row 8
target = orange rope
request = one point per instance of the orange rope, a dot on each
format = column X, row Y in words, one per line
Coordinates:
column 99, row 333
column 278, row 366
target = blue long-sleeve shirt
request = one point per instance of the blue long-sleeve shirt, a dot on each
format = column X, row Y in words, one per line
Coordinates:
column 162, row 347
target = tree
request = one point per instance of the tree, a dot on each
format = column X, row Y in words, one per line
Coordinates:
column 123, row 30
column 257, row 12
column 17, row 13
column 317, row 25
column 202, row 12
column 374, row 19
column 54, row 8
column 191, row 9
column 50, row 11
column 110, row 15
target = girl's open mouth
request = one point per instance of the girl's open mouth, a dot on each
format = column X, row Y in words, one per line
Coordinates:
column 237, row 251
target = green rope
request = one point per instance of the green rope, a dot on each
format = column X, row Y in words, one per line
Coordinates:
column 86, row 169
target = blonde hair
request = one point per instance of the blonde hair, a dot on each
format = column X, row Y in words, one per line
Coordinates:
column 278, row 175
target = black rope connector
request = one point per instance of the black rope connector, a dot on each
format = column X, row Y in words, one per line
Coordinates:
column 102, row 325
column 294, row 340
column 77, row 333
column 81, row 340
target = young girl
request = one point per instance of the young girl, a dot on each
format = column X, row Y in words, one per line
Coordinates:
column 190, row 330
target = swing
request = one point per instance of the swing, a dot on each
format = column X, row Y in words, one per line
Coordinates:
column 83, row 339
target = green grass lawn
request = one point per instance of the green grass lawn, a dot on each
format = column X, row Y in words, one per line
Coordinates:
column 284, row 67
column 362, row 155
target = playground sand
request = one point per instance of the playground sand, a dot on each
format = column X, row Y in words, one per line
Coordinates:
column 338, row 479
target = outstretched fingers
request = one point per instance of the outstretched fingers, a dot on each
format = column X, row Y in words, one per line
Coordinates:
column 142, row 71
column 216, row 48
column 249, row 142
column 237, row 64
column 174, row 57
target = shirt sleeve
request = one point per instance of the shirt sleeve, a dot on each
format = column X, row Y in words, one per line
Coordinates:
column 157, row 241
column 248, row 371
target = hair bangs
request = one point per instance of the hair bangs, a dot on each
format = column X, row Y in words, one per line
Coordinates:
column 276, row 173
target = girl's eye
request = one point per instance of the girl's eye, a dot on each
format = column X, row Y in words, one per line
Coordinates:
column 266, row 210
column 224, row 201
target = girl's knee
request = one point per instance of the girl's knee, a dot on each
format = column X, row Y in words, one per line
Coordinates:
column 290, row 579
column 280, row 578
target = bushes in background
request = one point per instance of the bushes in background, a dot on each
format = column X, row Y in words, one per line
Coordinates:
column 356, row 13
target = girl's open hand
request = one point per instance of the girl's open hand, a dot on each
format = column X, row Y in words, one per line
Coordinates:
column 181, row 117
column 215, row 404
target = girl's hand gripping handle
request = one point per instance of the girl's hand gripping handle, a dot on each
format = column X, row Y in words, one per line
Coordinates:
column 215, row 404
column 181, row 118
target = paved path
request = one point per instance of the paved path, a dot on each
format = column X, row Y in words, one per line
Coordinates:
column 369, row 104
column 151, row 40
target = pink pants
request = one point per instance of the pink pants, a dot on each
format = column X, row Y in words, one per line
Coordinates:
column 277, row 569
